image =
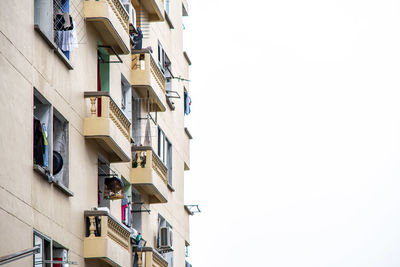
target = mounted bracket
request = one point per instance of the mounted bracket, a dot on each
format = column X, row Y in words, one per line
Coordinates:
column 115, row 54
column 141, row 210
column 172, row 94
column 192, row 209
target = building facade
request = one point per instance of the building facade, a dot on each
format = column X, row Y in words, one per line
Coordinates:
column 94, row 144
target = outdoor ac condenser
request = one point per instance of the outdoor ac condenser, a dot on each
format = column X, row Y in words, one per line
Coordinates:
column 165, row 237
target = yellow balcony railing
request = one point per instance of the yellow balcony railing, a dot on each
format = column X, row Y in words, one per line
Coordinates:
column 111, row 20
column 148, row 80
column 106, row 239
column 148, row 257
column 149, row 174
column 109, row 126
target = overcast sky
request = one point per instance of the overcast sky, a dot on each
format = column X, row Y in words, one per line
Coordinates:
column 295, row 159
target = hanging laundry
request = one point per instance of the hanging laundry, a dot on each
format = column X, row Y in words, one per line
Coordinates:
column 66, row 40
column 127, row 217
column 38, row 142
column 67, row 21
column 46, row 145
column 63, row 22
column 123, row 207
column 188, row 103
column 65, row 34
column 125, row 210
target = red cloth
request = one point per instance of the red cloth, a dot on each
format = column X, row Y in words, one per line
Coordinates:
column 123, row 207
column 57, row 264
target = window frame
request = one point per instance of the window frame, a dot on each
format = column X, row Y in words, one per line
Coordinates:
column 51, row 245
column 126, row 98
column 164, row 64
column 52, row 114
column 46, row 28
column 167, row 7
column 44, row 239
column 65, row 124
column 164, row 152
column 167, row 13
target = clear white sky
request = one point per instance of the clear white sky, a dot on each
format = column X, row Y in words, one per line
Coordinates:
column 295, row 159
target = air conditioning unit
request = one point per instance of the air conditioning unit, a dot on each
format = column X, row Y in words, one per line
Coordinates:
column 165, row 238
column 132, row 14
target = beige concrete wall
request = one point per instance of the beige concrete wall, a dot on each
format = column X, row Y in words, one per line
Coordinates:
column 172, row 123
column 27, row 200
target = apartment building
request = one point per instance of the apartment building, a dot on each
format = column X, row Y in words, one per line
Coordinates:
column 94, row 147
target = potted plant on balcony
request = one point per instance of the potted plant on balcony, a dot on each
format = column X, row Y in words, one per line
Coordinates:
column 142, row 160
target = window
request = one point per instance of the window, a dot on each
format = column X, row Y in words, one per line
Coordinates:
column 163, row 60
column 126, row 99
column 167, row 11
column 51, row 147
column 54, row 22
column 42, row 137
column 136, row 120
column 161, row 55
column 60, row 255
column 60, row 144
column 51, row 253
column 44, row 255
column 184, row 11
column 137, row 203
column 161, row 145
column 167, row 6
column 165, row 65
column 165, row 153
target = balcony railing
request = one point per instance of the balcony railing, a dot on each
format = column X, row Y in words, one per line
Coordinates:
column 149, row 174
column 109, row 126
column 111, row 20
column 148, row 79
column 148, row 257
column 106, row 239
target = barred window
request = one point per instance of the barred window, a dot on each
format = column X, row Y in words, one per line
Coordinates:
column 56, row 25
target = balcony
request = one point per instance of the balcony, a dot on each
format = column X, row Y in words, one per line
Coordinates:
column 148, row 257
column 111, row 20
column 154, row 9
column 149, row 175
column 148, row 80
column 106, row 239
column 109, row 126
